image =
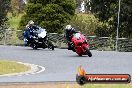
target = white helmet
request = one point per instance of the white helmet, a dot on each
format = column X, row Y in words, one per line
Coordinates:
column 68, row 27
column 31, row 22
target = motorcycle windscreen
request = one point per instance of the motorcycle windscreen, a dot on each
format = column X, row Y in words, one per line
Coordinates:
column 77, row 36
column 42, row 33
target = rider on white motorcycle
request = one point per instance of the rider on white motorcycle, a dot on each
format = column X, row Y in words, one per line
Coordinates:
column 36, row 37
column 29, row 33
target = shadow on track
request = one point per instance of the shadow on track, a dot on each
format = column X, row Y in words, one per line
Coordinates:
column 30, row 49
column 78, row 56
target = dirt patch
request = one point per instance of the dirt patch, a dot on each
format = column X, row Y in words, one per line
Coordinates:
column 45, row 85
column 65, row 85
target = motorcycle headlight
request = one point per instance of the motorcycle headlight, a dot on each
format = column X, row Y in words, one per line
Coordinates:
column 34, row 37
column 78, row 38
column 85, row 41
column 79, row 43
column 25, row 40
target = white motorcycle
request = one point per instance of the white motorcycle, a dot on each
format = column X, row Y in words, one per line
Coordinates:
column 40, row 40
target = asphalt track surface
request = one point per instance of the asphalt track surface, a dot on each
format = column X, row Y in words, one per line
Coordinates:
column 62, row 64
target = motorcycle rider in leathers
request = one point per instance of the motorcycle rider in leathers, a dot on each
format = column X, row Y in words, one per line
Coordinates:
column 28, row 33
column 69, row 30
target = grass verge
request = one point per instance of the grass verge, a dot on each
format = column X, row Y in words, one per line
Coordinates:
column 7, row 67
column 107, row 86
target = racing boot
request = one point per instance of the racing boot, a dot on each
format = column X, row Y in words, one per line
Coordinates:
column 70, row 47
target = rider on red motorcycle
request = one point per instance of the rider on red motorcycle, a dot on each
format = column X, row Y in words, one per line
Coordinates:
column 69, row 30
column 77, row 42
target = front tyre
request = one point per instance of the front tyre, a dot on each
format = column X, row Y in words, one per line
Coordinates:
column 50, row 46
column 34, row 46
column 87, row 51
column 80, row 55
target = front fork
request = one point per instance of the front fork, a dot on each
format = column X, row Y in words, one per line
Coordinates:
column 86, row 45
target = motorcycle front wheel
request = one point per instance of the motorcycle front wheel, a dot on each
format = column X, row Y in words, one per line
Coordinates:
column 87, row 51
column 50, row 45
column 34, row 46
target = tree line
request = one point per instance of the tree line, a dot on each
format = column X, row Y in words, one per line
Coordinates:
column 55, row 14
column 107, row 12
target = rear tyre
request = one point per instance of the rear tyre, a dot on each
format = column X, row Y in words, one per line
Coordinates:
column 87, row 51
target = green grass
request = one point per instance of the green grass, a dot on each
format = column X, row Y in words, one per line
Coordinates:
column 107, row 86
column 7, row 67
column 14, row 20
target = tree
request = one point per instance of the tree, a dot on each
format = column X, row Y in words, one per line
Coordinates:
column 17, row 6
column 106, row 11
column 49, row 14
column 125, row 29
column 86, row 23
column 4, row 5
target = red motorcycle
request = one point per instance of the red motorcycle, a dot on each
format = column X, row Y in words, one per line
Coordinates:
column 80, row 44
